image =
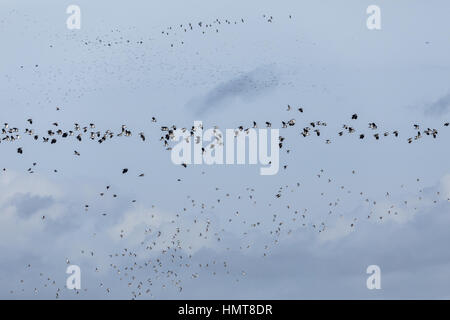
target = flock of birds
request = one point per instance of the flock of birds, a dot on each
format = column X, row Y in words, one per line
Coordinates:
column 201, row 27
column 165, row 255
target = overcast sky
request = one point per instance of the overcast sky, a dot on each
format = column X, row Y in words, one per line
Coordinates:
column 120, row 68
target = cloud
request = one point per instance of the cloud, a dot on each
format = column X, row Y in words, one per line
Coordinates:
column 410, row 250
column 246, row 87
column 440, row 106
column 28, row 204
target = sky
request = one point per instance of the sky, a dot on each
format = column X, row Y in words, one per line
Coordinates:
column 234, row 238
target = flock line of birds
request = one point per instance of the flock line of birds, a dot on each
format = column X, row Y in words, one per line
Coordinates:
column 89, row 132
column 196, row 220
